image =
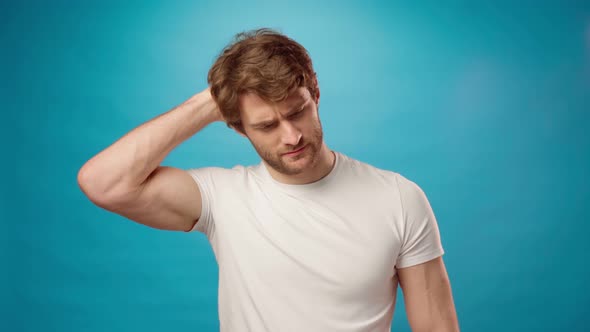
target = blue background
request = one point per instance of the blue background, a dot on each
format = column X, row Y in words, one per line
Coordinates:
column 485, row 106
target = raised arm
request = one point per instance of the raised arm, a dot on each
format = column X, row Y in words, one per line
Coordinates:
column 126, row 177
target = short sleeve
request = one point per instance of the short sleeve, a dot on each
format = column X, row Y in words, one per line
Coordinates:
column 421, row 238
column 203, row 178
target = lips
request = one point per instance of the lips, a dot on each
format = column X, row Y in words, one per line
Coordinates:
column 294, row 151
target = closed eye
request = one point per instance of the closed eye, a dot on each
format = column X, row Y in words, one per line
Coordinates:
column 296, row 114
column 266, row 127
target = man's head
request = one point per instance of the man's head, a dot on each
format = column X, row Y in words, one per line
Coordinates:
column 288, row 134
column 267, row 90
column 264, row 62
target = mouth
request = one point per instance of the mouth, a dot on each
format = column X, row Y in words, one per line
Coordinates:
column 295, row 152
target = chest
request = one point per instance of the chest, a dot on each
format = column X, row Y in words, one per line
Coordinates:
column 346, row 246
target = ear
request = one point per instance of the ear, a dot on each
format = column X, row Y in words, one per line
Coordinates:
column 317, row 88
column 317, row 97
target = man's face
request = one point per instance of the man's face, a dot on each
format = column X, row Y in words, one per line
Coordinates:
column 287, row 135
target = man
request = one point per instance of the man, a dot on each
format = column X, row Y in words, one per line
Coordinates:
column 309, row 239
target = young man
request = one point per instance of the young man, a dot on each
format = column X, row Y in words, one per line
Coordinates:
column 309, row 239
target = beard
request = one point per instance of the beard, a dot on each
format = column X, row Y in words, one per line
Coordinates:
column 287, row 165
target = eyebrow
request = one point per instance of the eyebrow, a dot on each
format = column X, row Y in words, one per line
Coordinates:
column 298, row 107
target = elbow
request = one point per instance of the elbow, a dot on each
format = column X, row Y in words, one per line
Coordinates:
column 98, row 188
column 89, row 184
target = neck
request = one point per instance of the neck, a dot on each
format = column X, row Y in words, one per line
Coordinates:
column 322, row 167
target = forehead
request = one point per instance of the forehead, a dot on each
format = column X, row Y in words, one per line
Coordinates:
column 253, row 108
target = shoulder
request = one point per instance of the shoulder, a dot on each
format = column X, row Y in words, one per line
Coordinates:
column 377, row 177
column 413, row 198
column 223, row 176
column 368, row 172
column 217, row 171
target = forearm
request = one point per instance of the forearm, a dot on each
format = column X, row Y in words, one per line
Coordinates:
column 127, row 163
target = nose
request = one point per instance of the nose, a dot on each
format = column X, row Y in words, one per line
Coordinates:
column 290, row 135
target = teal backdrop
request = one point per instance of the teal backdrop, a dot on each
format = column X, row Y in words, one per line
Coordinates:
column 484, row 104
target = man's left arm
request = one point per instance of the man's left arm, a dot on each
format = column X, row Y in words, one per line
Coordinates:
column 428, row 298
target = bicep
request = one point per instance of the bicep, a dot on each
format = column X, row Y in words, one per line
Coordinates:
column 427, row 296
column 169, row 199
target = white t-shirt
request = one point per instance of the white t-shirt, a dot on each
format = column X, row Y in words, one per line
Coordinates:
column 313, row 257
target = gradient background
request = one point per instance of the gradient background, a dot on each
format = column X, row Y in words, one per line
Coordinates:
column 485, row 106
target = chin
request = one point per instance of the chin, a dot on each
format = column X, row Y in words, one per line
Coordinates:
column 306, row 161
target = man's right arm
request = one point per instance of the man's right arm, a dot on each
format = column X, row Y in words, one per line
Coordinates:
column 126, row 177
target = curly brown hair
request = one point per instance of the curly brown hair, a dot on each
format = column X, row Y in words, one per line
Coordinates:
column 264, row 62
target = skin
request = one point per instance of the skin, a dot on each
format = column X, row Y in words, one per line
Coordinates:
column 127, row 177
column 428, row 297
column 275, row 129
